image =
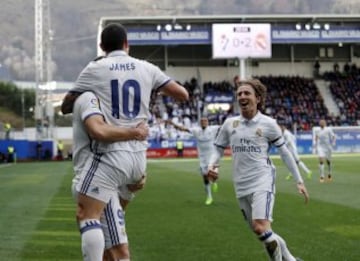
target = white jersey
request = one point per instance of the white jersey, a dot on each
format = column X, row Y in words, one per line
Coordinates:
column 290, row 140
column 85, row 105
column 250, row 141
column 123, row 85
column 205, row 140
column 324, row 137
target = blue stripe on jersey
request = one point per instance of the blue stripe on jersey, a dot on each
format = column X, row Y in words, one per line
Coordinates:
column 90, row 174
column 162, row 85
column 109, row 214
column 268, row 203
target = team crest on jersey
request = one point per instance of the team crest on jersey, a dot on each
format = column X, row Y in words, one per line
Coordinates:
column 95, row 103
column 259, row 132
column 235, row 124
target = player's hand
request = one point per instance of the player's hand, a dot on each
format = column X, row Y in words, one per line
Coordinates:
column 142, row 131
column 302, row 190
column 213, row 173
column 138, row 185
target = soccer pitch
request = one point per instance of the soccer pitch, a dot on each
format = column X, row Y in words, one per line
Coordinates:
column 169, row 221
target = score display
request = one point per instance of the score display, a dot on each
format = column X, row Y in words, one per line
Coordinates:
column 241, row 41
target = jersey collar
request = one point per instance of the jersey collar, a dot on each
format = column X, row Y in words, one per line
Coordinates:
column 254, row 119
column 117, row 53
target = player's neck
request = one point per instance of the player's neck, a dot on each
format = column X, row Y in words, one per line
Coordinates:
column 249, row 114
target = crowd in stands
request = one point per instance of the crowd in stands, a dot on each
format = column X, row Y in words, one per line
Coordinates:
column 294, row 100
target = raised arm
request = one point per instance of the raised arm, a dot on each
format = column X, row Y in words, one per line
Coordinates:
column 178, row 127
column 175, row 90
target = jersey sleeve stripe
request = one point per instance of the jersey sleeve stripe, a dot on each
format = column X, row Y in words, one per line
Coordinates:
column 162, row 85
column 217, row 145
column 91, row 114
column 278, row 138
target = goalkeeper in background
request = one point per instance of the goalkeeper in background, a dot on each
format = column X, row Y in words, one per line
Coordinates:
column 290, row 142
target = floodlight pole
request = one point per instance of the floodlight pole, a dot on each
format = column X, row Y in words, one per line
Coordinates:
column 242, row 68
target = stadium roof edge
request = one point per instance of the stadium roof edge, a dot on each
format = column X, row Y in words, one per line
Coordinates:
column 243, row 18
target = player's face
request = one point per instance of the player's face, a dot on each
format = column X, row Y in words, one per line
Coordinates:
column 204, row 123
column 247, row 101
column 322, row 123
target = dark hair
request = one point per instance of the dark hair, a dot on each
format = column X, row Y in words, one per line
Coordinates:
column 113, row 37
column 260, row 91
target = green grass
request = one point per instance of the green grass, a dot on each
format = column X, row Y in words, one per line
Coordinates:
column 169, row 221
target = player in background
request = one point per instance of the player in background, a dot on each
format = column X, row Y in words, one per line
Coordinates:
column 123, row 85
column 205, row 137
column 250, row 136
column 325, row 140
column 88, row 124
column 290, row 142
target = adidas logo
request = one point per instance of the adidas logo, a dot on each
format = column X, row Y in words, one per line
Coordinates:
column 95, row 190
column 233, row 132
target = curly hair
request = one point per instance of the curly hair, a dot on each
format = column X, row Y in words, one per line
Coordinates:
column 260, row 91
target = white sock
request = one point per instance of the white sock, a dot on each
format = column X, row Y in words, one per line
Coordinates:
column 303, row 166
column 208, row 190
column 272, row 245
column 92, row 240
column 321, row 167
column 287, row 256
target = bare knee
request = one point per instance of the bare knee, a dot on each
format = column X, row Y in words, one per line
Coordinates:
column 260, row 226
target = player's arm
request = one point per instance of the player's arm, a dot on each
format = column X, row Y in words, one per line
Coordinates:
column 175, row 90
column 99, row 130
column 213, row 167
column 178, row 127
column 289, row 161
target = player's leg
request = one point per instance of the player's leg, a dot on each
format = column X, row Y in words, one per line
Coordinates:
column 262, row 207
column 207, row 184
column 95, row 189
column 329, row 165
column 116, row 241
column 92, row 238
column 301, row 164
column 321, row 156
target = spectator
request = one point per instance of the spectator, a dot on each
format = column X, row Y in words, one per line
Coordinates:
column 60, row 150
column 7, row 128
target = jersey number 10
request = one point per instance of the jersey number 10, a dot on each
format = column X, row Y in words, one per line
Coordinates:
column 126, row 94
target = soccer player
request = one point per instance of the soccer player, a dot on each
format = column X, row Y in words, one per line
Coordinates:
column 290, row 142
column 88, row 124
column 325, row 139
column 123, row 85
column 205, row 137
column 249, row 136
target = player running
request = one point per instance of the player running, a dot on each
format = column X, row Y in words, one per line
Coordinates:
column 205, row 137
column 290, row 141
column 250, row 136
